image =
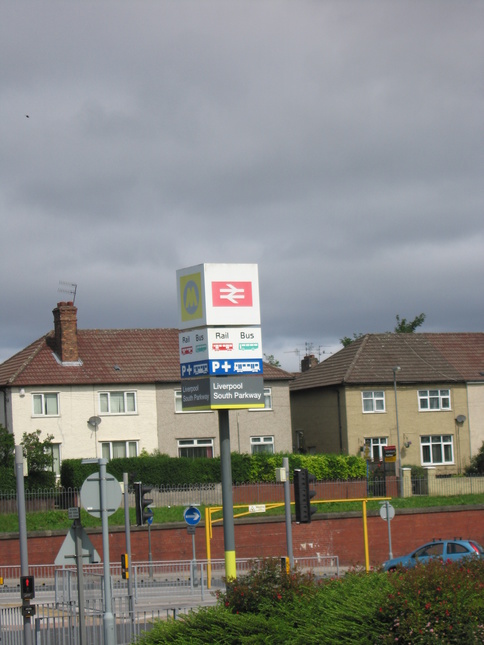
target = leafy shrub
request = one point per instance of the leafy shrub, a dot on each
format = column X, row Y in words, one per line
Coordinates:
column 436, row 602
column 267, row 583
column 476, row 467
column 163, row 470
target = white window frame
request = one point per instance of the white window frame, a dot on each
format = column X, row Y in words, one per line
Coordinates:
column 56, row 458
column 263, row 440
column 36, row 396
column 442, row 440
column 126, row 394
column 374, row 397
column 376, row 444
column 177, row 394
column 129, row 444
column 267, row 401
column 202, row 443
column 441, row 396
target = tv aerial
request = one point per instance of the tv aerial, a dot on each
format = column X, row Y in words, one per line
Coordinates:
column 68, row 287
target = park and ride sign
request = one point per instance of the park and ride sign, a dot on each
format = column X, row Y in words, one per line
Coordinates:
column 220, row 339
column 218, row 295
column 220, row 351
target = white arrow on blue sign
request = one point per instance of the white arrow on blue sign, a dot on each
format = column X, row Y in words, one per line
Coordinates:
column 192, row 516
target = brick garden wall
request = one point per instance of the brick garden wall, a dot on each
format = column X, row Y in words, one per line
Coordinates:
column 327, row 535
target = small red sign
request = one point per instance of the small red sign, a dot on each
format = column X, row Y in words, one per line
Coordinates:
column 232, row 294
column 187, row 350
column 222, row 347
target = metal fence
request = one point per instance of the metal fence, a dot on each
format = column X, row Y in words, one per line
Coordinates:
column 259, row 493
column 161, row 590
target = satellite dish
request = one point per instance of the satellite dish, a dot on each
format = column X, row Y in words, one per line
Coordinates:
column 94, row 421
column 460, row 419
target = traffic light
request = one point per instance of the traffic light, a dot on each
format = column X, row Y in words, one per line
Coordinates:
column 303, row 495
column 27, row 587
column 142, row 512
column 124, row 566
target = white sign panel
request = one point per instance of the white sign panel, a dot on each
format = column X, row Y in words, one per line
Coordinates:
column 219, row 343
column 218, row 294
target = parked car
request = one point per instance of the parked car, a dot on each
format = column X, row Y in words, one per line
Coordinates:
column 444, row 549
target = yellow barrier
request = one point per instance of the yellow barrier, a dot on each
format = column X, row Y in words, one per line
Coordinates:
column 209, row 521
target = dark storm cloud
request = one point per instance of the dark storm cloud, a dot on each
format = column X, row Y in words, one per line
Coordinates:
column 338, row 145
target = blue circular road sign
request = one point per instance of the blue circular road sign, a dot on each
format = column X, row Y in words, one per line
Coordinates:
column 192, row 516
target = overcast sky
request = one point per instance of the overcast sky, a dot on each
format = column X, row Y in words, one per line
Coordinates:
column 338, row 144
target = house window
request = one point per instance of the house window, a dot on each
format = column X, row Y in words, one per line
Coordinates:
column 55, row 447
column 375, row 447
column 117, row 402
column 194, row 448
column 45, row 404
column 119, row 449
column 434, row 399
column 262, row 444
column 267, row 401
column 178, row 405
column 437, row 449
column 373, row 401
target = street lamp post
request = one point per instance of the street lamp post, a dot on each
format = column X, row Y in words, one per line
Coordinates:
column 399, row 461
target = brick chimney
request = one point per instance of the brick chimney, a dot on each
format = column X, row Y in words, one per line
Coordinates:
column 65, row 328
column 308, row 361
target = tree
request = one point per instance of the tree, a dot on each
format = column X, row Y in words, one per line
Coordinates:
column 403, row 326
column 346, row 340
column 269, row 358
column 40, row 459
column 408, row 327
column 7, row 449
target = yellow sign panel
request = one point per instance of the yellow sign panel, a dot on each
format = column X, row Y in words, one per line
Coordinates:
column 191, row 301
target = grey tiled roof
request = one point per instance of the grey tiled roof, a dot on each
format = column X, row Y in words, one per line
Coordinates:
column 106, row 356
column 423, row 358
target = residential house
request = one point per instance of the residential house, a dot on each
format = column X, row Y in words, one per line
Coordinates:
column 116, row 392
column 422, row 393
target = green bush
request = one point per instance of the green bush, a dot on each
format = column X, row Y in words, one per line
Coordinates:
column 476, row 467
column 438, row 601
column 163, row 470
column 435, row 603
column 267, row 584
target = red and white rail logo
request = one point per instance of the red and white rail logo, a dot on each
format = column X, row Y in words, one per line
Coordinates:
column 232, row 294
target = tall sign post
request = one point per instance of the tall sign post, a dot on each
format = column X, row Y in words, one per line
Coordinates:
column 28, row 610
column 221, row 357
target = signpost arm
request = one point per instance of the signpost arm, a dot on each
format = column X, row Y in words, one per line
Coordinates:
column 227, row 499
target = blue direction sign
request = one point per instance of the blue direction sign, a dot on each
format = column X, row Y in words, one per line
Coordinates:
column 192, row 516
column 222, row 367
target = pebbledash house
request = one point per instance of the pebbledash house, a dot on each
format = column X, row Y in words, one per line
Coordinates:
column 117, row 392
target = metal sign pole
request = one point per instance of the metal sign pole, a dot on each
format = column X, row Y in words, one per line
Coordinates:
column 80, row 581
column 22, row 522
column 287, row 506
column 108, row 618
column 127, row 528
column 227, row 498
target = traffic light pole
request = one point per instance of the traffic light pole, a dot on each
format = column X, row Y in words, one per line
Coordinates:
column 227, row 498
column 127, row 527
column 22, row 524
